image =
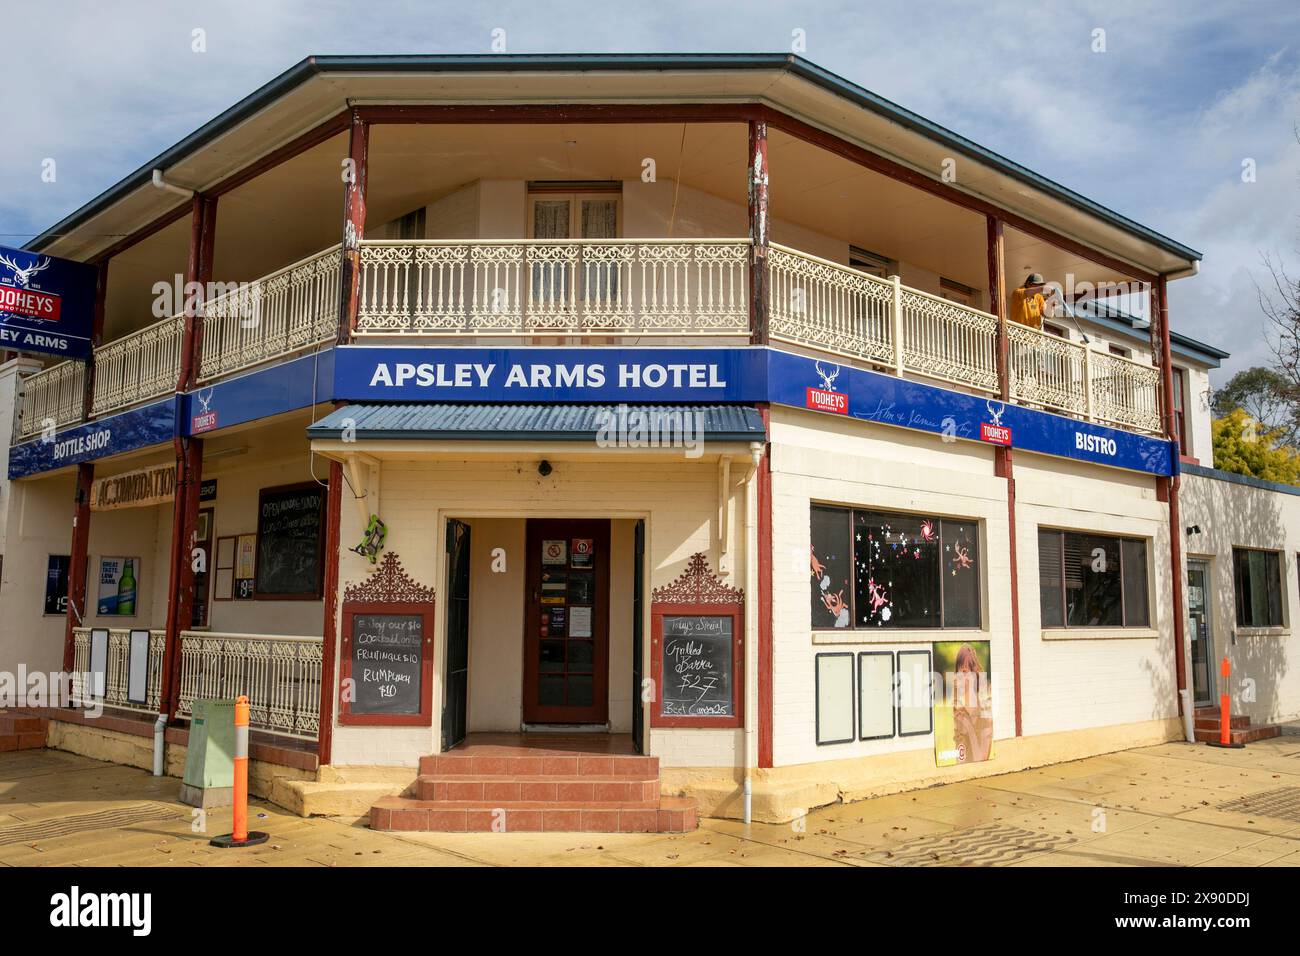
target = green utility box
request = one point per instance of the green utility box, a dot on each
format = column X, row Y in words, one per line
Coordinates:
column 210, row 758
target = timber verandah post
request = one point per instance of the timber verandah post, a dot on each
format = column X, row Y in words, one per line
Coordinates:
column 758, row 233
column 354, row 225
column 1003, row 458
column 189, row 451
column 79, row 552
column 1159, row 304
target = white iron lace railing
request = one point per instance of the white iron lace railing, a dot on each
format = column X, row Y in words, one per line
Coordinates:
column 825, row 305
column 949, row 341
column 280, row 675
column 1047, row 370
column 285, row 312
column 117, row 669
column 52, row 398
column 1124, row 392
column 614, row 287
column 137, row 367
column 822, row 304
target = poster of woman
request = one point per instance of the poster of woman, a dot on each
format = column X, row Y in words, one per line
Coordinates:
column 963, row 704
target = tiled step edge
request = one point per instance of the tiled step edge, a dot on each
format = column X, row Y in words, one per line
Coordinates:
column 672, row 815
column 597, row 765
column 538, row 787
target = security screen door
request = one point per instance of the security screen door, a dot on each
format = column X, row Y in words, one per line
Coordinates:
column 1198, row 610
column 566, row 622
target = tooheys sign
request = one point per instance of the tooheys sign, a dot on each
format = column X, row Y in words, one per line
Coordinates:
column 46, row 304
column 134, row 489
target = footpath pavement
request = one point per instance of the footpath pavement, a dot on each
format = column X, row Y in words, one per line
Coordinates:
column 1175, row 804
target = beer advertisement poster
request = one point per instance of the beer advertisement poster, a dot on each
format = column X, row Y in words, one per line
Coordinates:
column 117, row 586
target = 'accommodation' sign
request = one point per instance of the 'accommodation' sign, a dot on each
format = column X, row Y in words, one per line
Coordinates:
column 134, row 489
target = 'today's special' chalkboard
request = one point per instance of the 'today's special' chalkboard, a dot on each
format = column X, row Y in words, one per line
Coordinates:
column 697, row 676
column 387, row 658
column 289, row 536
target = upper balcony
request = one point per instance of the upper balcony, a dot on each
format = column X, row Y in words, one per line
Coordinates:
column 552, row 234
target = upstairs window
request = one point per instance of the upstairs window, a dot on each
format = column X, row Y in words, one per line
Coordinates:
column 1092, row 580
column 875, row 569
column 1257, row 580
column 1180, row 422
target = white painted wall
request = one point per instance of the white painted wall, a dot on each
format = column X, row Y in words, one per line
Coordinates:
column 1230, row 515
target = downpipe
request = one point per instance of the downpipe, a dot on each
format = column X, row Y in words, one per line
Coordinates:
column 159, row 729
column 1189, row 730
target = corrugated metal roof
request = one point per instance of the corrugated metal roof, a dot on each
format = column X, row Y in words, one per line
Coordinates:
column 493, row 422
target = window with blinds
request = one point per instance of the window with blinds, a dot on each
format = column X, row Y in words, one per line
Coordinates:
column 1092, row 580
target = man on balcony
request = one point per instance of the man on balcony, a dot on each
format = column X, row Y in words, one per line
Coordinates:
column 1028, row 305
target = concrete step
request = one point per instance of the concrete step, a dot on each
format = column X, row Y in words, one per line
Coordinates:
column 540, row 788
column 671, row 815
column 520, row 762
column 1246, row 736
column 1207, row 722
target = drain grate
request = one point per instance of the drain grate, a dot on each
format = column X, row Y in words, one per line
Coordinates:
column 978, row 846
column 83, row 822
column 1284, row 804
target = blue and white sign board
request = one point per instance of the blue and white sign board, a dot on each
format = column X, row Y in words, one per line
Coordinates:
column 594, row 374
column 273, row 390
column 47, row 304
column 137, row 428
column 737, row 375
column 890, row 400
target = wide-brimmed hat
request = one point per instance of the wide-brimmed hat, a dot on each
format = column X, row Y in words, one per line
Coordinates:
column 1035, row 278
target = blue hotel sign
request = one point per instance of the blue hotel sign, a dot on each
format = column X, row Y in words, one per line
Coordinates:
column 594, row 374
column 46, row 304
column 736, row 375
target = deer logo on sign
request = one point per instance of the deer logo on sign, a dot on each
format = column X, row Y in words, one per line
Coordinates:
column 23, row 274
column 828, row 378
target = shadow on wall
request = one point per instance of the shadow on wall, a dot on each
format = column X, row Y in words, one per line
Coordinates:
column 1229, row 515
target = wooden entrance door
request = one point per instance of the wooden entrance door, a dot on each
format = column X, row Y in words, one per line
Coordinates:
column 566, row 622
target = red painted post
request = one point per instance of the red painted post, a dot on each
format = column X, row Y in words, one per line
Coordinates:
column 189, row 454
column 1003, row 460
column 758, row 233
column 354, row 224
column 77, row 565
column 1161, row 314
column 1225, row 706
column 766, row 710
column 329, row 626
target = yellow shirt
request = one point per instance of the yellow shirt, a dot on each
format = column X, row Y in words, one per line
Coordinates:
column 1027, row 310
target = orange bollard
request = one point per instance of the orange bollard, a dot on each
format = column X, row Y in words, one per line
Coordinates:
column 240, row 835
column 1225, row 710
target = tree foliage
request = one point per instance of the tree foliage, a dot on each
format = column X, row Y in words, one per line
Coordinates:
column 1267, row 396
column 1246, row 447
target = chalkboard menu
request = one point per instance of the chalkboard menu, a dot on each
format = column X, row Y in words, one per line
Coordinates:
column 698, row 665
column 290, row 531
column 386, row 654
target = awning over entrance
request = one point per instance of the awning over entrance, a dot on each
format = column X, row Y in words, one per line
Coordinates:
column 500, row 422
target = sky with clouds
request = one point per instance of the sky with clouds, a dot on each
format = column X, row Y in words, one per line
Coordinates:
column 1156, row 127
